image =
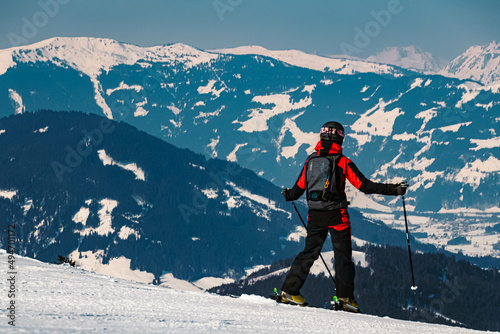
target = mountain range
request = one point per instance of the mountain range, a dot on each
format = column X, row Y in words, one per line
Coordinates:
column 123, row 203
column 409, row 57
column 262, row 109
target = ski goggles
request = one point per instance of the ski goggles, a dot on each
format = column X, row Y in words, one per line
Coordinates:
column 332, row 131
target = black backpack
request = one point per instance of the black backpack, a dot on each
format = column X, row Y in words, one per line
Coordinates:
column 324, row 180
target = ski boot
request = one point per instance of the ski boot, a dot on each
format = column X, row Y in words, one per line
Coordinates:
column 287, row 298
column 346, row 304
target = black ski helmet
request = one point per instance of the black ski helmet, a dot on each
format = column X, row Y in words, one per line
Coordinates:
column 332, row 131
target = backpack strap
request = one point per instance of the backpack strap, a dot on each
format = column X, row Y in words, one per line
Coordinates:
column 305, row 171
column 333, row 193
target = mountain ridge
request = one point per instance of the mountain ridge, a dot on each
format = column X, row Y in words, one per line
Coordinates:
column 409, row 57
column 436, row 132
column 121, row 202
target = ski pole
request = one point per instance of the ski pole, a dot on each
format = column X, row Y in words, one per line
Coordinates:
column 413, row 287
column 302, row 220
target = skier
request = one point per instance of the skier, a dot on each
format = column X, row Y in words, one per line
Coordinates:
column 323, row 179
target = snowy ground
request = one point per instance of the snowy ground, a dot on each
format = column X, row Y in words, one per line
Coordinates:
column 54, row 298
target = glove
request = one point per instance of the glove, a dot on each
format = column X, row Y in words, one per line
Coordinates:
column 401, row 188
column 284, row 192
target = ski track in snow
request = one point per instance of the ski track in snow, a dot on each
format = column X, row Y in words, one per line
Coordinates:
column 64, row 299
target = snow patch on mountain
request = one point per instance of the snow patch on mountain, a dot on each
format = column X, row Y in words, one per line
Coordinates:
column 470, row 92
column 107, row 160
column 474, row 172
column 206, row 116
column 82, row 215
column 124, row 86
column 257, row 120
column 140, row 111
column 8, row 194
column 232, row 156
column 126, row 231
column 363, row 201
column 28, row 204
column 197, row 166
column 454, row 127
column 6, row 61
column 425, row 179
column 471, row 211
column 300, row 232
column 375, row 122
column 417, row 83
column 209, row 89
column 369, row 97
column 359, row 258
column 116, row 267
column 318, row 268
column 211, row 146
column 105, row 219
column 485, row 143
column 426, row 116
column 176, row 111
column 404, row 136
column 301, row 138
column 210, row 193
column 207, row 283
column 42, row 130
column 17, row 100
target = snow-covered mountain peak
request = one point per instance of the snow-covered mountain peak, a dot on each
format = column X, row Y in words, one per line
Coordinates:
column 481, row 63
column 93, row 55
column 410, row 57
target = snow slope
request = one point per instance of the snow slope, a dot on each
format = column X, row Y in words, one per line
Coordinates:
column 55, row 298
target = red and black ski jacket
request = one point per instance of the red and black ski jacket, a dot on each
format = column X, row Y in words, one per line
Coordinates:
column 338, row 218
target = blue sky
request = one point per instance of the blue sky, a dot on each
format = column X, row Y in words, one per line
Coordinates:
column 445, row 28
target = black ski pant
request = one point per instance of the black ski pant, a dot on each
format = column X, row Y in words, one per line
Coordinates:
column 344, row 267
